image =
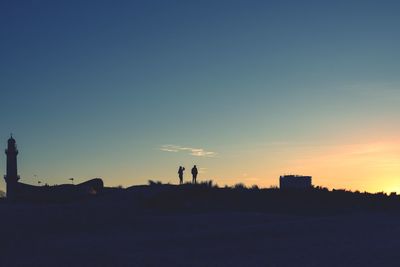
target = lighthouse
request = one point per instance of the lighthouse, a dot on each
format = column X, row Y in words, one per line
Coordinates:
column 11, row 176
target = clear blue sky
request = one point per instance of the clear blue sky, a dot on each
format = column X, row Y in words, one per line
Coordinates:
column 128, row 90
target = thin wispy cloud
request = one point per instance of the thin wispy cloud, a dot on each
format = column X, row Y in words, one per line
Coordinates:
column 197, row 152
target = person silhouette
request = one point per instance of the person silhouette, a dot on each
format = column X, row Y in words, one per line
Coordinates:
column 180, row 172
column 194, row 174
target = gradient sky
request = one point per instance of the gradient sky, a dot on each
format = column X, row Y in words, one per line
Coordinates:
column 247, row 90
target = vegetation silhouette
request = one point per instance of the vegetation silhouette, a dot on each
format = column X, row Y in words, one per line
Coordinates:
column 207, row 196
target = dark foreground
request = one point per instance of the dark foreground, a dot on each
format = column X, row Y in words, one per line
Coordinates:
column 117, row 232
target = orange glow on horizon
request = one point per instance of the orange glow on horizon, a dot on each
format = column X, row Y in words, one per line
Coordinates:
column 370, row 166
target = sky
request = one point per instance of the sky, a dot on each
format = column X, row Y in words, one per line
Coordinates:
column 247, row 90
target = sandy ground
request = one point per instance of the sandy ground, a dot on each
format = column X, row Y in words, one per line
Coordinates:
column 72, row 235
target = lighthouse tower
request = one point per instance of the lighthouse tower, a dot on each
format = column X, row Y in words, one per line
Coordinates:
column 12, row 173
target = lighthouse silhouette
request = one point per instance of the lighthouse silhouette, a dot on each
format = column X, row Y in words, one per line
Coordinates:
column 12, row 172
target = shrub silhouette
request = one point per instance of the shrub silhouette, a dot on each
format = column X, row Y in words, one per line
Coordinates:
column 154, row 183
column 207, row 197
column 240, row 186
column 255, row 187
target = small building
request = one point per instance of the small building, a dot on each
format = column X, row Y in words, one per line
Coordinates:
column 295, row 182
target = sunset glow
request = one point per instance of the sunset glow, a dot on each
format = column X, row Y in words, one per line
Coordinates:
column 246, row 91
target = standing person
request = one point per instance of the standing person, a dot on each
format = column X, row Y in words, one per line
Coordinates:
column 180, row 172
column 194, row 174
